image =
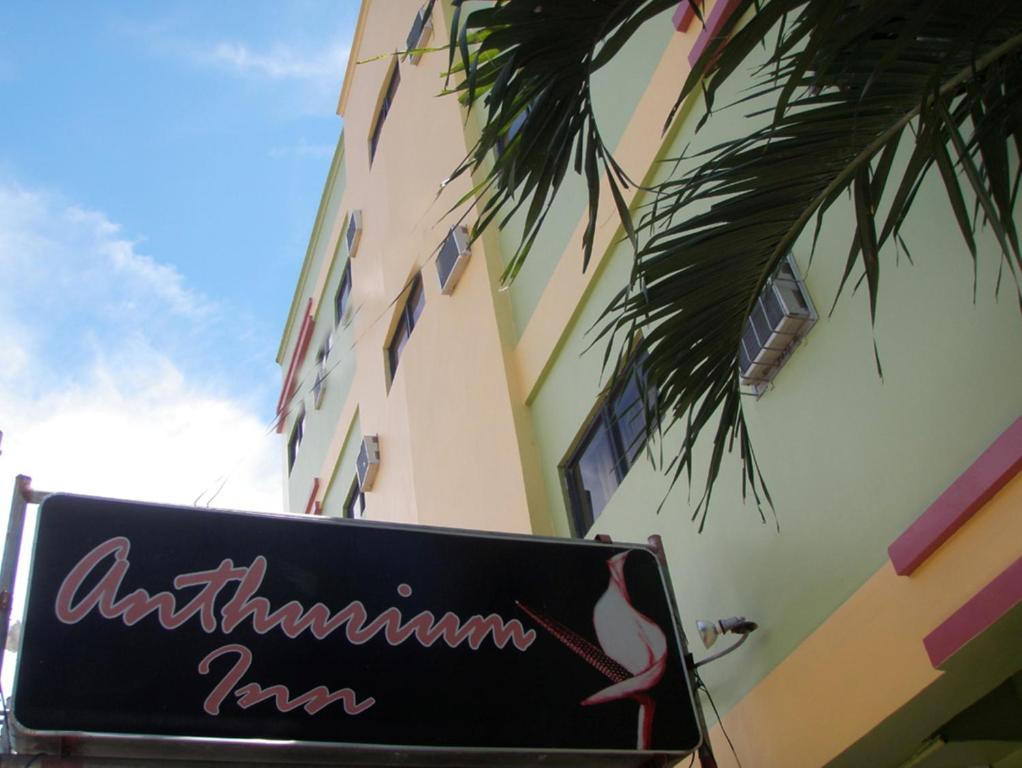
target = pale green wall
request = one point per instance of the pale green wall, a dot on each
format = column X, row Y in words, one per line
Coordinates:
column 344, row 472
column 617, row 89
column 850, row 459
column 321, row 423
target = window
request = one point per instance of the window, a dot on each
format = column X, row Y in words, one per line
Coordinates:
column 421, row 28
column 342, row 299
column 410, row 313
column 319, row 385
column 353, row 234
column 295, row 441
column 354, row 502
column 610, row 444
column 385, row 105
column 512, row 130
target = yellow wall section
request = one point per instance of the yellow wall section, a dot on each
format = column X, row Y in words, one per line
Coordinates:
column 636, row 152
column 868, row 659
column 447, row 440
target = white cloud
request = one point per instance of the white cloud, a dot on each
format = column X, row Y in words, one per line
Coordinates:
column 136, row 428
column 95, row 393
column 67, row 253
column 281, row 62
column 162, row 280
column 310, row 68
column 91, row 400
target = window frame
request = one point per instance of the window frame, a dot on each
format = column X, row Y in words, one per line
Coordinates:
column 294, row 441
column 342, row 298
column 406, row 322
column 353, row 497
column 386, row 103
column 605, row 418
column 505, row 138
column 423, row 21
column 322, row 355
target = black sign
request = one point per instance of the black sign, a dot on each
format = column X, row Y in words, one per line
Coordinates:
column 180, row 622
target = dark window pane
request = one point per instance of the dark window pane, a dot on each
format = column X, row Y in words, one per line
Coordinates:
column 406, row 322
column 375, row 139
column 381, row 116
column 295, row 441
column 512, row 130
column 611, row 444
column 395, row 78
column 355, row 503
column 343, row 295
column 416, row 300
column 595, row 471
column 629, row 413
column 416, row 31
column 397, row 344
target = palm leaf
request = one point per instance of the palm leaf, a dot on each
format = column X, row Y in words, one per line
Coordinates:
column 850, row 82
column 538, row 58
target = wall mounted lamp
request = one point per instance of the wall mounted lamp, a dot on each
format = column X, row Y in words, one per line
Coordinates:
column 709, row 631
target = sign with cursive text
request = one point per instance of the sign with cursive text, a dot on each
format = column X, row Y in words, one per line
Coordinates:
column 147, row 621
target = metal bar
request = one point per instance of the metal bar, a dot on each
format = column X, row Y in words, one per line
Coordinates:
column 720, row 654
column 21, row 497
column 12, row 548
column 705, row 752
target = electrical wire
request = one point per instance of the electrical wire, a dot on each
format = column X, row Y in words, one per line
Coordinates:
column 305, row 385
column 702, row 685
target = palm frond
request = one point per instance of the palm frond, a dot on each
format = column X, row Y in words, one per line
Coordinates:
column 938, row 74
column 852, row 85
column 537, row 59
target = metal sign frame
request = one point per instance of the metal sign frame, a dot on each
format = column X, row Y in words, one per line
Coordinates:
column 247, row 751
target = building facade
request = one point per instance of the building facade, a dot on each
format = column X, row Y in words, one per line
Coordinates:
column 887, row 581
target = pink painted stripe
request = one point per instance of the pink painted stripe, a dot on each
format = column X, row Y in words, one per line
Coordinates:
column 684, row 14
column 963, row 498
column 979, row 614
column 711, row 31
column 304, row 336
column 312, row 506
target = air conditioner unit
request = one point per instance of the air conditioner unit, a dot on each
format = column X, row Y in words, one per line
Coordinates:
column 780, row 319
column 452, row 259
column 422, row 27
column 368, row 462
column 354, row 232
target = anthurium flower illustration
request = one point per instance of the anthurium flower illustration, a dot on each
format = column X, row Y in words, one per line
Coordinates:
column 632, row 651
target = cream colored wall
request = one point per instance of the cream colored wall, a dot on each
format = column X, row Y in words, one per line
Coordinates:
column 448, row 439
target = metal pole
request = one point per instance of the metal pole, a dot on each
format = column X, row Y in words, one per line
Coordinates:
column 22, row 496
column 706, row 758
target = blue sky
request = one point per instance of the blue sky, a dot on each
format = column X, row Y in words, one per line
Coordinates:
column 160, row 169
